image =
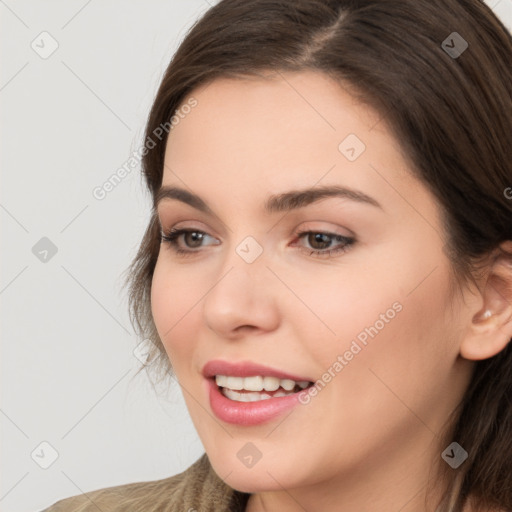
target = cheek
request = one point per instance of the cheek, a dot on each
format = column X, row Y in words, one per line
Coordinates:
column 384, row 326
column 403, row 356
column 338, row 311
column 394, row 303
column 173, row 301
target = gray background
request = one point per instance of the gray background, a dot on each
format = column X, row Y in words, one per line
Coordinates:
column 69, row 121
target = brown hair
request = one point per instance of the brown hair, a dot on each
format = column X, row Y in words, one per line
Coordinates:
column 453, row 117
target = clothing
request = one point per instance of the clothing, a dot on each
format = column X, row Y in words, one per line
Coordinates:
column 197, row 489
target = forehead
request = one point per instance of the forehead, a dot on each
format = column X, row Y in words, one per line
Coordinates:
column 257, row 136
column 290, row 116
column 283, row 104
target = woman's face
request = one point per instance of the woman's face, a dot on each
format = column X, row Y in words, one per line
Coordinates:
column 272, row 279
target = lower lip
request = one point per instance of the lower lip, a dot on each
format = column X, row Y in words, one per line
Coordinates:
column 248, row 413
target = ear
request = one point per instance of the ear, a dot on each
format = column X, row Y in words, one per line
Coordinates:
column 491, row 327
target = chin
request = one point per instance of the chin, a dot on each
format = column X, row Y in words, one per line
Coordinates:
column 256, row 482
column 260, row 477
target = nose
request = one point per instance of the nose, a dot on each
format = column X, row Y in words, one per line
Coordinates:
column 242, row 300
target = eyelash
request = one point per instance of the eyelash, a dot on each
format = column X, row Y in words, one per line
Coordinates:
column 171, row 238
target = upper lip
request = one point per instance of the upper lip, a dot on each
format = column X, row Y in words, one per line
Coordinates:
column 246, row 369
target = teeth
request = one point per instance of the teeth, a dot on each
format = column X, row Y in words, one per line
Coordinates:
column 271, row 383
column 287, row 384
column 229, row 382
column 258, row 383
column 245, row 397
column 252, row 383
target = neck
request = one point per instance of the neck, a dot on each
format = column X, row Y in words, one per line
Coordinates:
column 398, row 478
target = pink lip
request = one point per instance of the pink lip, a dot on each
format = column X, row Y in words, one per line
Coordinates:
column 247, row 413
column 246, row 369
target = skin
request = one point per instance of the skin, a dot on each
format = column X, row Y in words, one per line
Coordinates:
column 367, row 441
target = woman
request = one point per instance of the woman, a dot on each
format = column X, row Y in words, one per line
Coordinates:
column 328, row 266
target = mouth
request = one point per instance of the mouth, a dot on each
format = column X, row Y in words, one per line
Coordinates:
column 257, row 387
column 248, row 394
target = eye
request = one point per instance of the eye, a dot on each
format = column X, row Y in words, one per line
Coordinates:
column 185, row 242
column 324, row 243
column 192, row 239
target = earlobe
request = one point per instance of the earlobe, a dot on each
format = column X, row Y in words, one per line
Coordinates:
column 487, row 314
column 489, row 334
column 490, row 330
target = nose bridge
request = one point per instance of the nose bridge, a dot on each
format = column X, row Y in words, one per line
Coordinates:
column 241, row 295
column 242, row 270
column 245, row 261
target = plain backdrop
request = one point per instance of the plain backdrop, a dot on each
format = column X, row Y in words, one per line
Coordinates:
column 77, row 79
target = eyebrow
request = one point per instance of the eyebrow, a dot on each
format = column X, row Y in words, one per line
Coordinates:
column 276, row 203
